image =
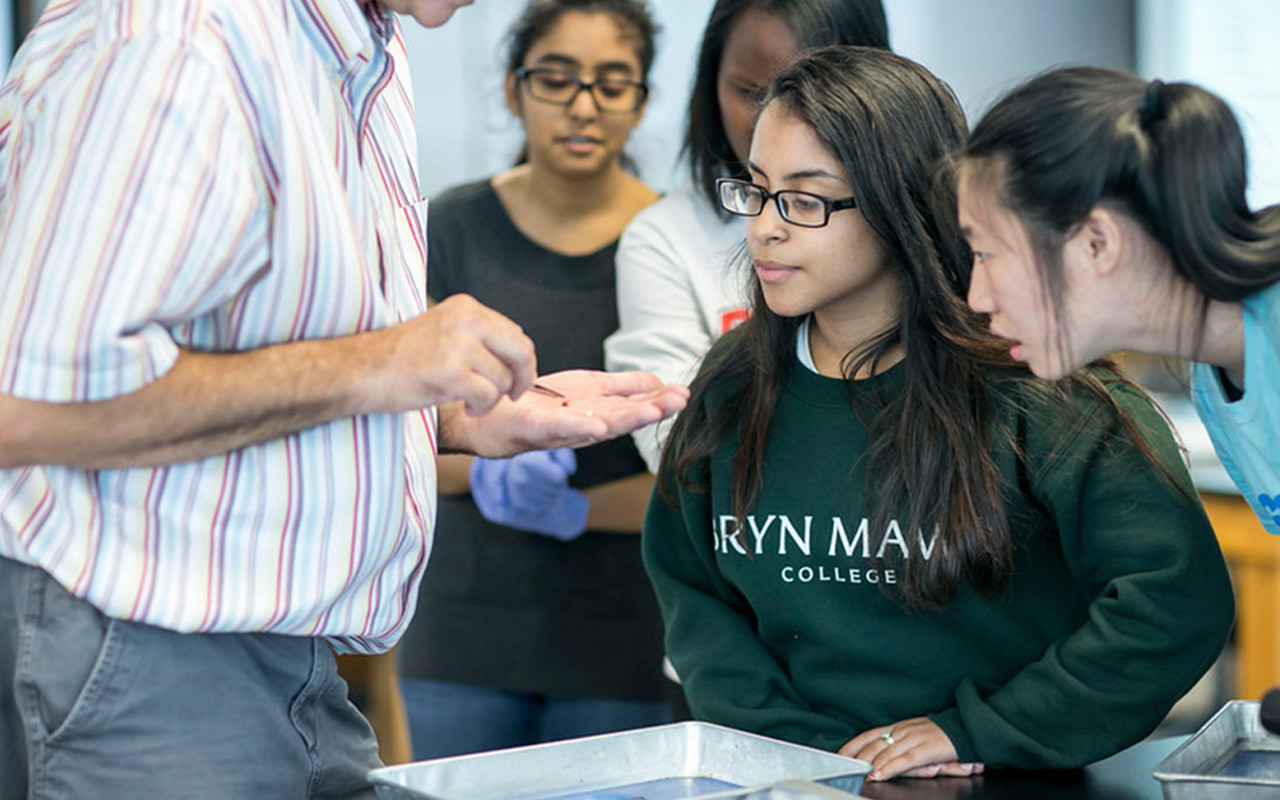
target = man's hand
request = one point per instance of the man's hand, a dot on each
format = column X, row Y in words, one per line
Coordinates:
column 459, row 355
column 459, row 350
column 914, row 748
column 600, row 405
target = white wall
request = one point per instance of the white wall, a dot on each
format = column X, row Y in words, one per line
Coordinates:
column 980, row 47
column 1232, row 48
column 983, row 48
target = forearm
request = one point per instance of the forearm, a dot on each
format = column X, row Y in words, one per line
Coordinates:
column 205, row 405
column 460, row 353
column 1159, row 598
column 619, row 506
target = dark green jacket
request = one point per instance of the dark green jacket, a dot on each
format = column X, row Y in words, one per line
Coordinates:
column 1119, row 599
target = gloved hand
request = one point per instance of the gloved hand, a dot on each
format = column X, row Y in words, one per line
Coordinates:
column 531, row 492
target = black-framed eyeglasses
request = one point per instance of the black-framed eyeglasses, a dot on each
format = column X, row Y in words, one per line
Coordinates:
column 805, row 209
column 611, row 95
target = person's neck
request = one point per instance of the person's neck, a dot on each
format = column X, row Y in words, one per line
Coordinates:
column 570, row 216
column 832, row 337
column 1161, row 313
column 568, row 197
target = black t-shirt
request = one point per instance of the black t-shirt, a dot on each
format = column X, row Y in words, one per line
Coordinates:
column 504, row 608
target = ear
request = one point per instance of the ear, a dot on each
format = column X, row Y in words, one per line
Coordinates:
column 1101, row 240
column 511, row 88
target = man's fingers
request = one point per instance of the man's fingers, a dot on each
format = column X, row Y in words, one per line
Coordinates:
column 669, row 399
column 612, row 384
column 575, row 430
column 520, row 364
column 632, row 383
column 494, row 346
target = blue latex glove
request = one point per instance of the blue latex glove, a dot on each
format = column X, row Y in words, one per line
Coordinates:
column 531, row 492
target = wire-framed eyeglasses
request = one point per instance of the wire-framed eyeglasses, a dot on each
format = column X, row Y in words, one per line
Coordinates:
column 558, row 86
column 805, row 209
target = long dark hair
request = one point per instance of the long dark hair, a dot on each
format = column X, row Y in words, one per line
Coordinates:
column 1168, row 155
column 815, row 23
column 893, row 125
column 540, row 16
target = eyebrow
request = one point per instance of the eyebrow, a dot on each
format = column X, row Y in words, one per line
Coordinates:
column 798, row 175
column 558, row 60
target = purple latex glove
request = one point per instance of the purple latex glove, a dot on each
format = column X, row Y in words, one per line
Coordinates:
column 531, row 492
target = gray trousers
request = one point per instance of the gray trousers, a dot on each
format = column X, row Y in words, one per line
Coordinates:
column 94, row 707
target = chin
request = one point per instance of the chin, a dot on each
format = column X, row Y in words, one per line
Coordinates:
column 1049, row 372
column 427, row 13
column 784, row 309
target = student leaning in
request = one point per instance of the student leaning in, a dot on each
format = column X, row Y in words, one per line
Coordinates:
column 1136, row 236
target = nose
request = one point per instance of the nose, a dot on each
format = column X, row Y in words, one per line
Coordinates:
column 583, row 104
column 980, row 297
column 768, row 226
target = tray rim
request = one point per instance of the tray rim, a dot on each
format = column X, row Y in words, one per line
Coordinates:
column 1163, row 775
column 384, row 775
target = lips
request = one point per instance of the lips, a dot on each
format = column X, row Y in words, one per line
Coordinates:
column 773, row 272
column 579, row 144
column 1015, row 349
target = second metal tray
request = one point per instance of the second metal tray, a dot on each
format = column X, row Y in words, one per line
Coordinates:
column 1231, row 757
column 680, row 761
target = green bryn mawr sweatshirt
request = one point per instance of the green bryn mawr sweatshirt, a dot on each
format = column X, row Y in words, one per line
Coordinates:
column 1119, row 599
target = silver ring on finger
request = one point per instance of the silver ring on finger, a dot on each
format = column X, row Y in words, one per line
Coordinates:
column 887, row 736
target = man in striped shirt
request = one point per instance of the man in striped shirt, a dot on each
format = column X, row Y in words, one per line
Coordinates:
column 219, row 392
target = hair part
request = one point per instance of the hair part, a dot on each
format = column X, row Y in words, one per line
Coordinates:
column 540, row 16
column 815, row 23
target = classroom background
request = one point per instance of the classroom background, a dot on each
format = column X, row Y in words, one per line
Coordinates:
column 980, row 47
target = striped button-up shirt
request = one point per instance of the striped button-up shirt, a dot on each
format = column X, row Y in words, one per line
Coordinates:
column 215, row 175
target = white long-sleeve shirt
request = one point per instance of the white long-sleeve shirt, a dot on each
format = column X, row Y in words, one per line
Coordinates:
column 680, row 285
column 215, row 175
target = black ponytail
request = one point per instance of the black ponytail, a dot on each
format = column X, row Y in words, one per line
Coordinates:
column 1197, row 173
column 1170, row 155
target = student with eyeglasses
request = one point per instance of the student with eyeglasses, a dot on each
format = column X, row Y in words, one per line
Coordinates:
column 536, row 621
column 677, row 291
column 875, row 532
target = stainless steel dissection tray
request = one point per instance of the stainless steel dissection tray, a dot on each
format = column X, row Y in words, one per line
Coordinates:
column 681, row 761
column 1231, row 757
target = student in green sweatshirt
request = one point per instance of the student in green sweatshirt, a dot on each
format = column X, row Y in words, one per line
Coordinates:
column 877, row 534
